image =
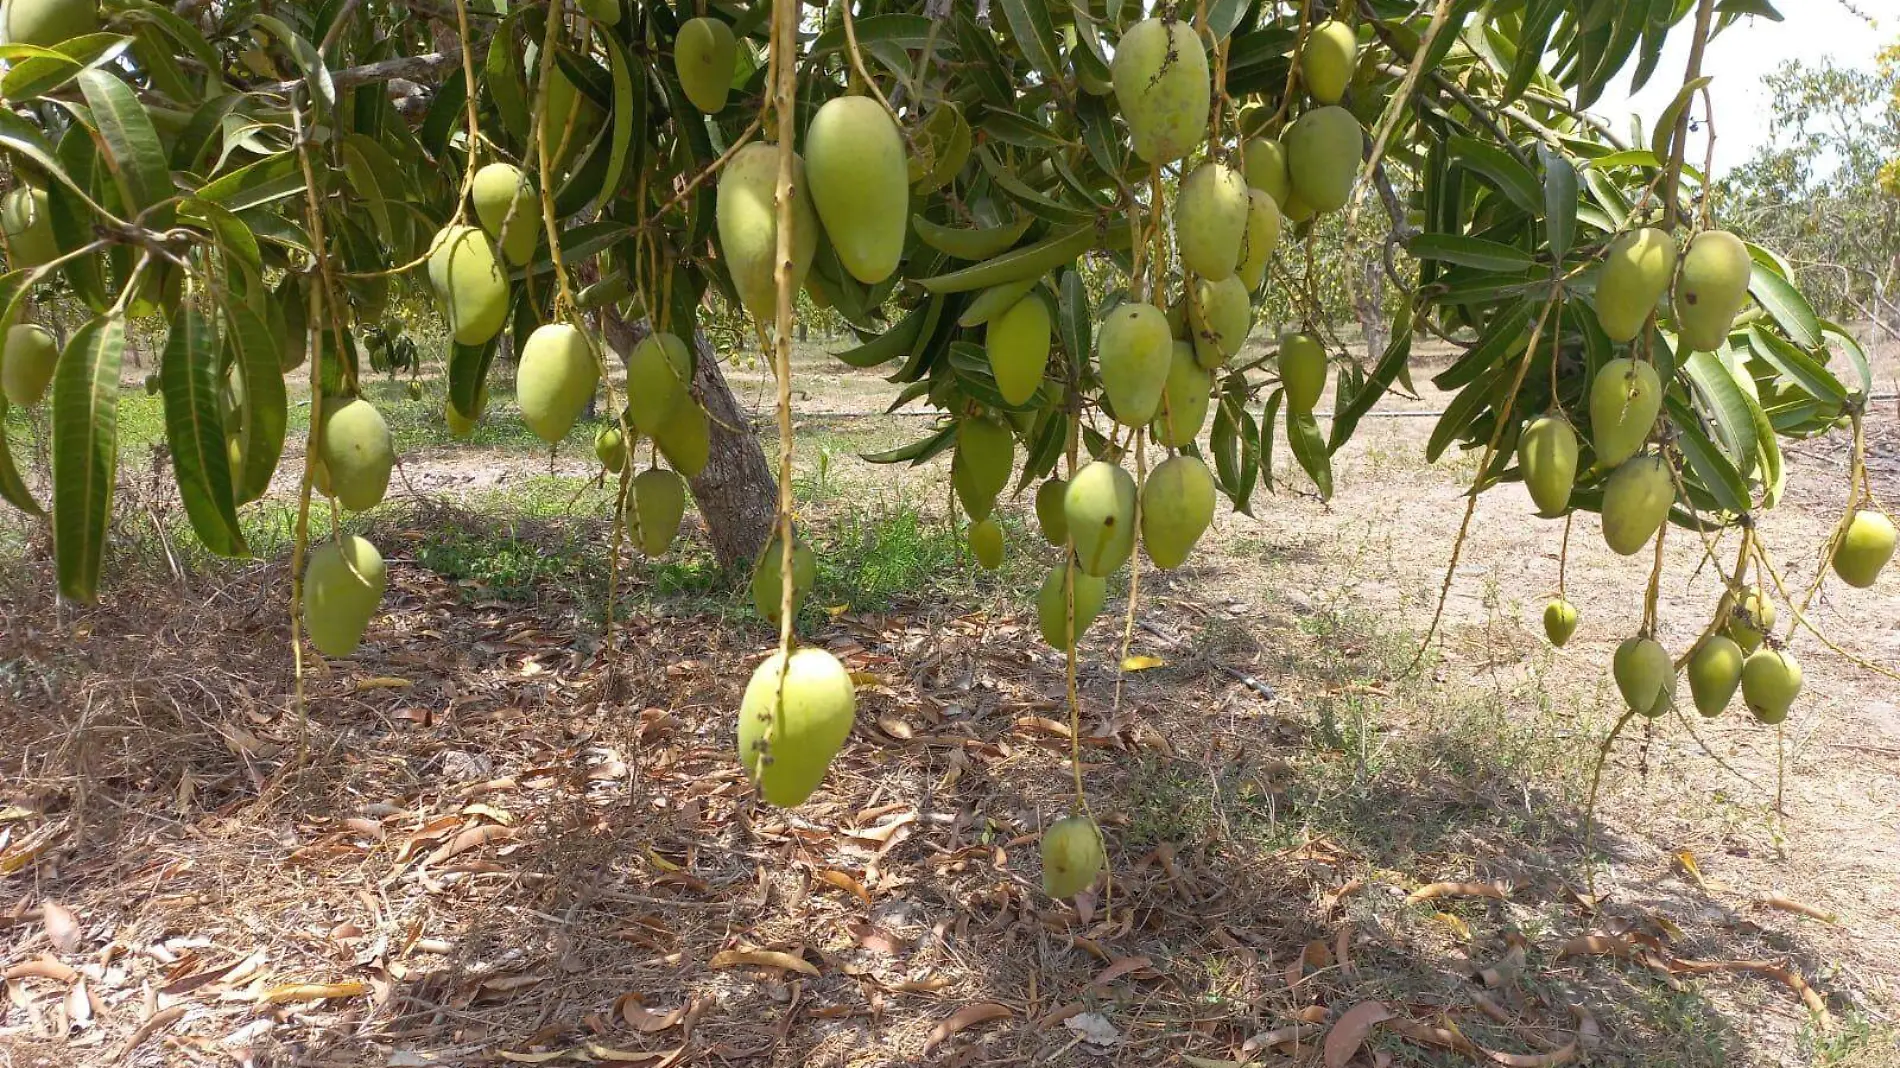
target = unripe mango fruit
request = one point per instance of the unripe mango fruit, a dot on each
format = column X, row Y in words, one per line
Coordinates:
column 1645, row 675
column 1625, row 398
column 658, row 369
column 1637, row 271
column 1264, row 160
column 1749, row 620
column 1863, row 550
column 1221, row 314
column 860, row 184
column 1161, row 82
column 1302, row 372
column 792, row 722
column 1636, row 501
column 1177, row 504
column 469, row 284
column 605, row 12
column 1715, row 670
column 1100, row 506
column 748, row 226
column 1327, row 60
column 1547, row 457
column 1052, row 606
column 1072, row 856
column 1712, row 289
column 1323, row 150
column 1261, row 238
column 1133, row 352
column 766, row 591
column 50, row 22
column 501, row 188
column 659, row 502
column 357, row 453
column 343, row 582
column 985, row 455
column 704, row 54
column 27, row 227
column 1049, row 511
column 1560, row 621
column 1017, row 344
column 555, row 379
column 1210, row 220
column 610, row 448
column 1771, row 680
column 27, row 360
column 986, row 544
column 685, row 438
column 1184, row 400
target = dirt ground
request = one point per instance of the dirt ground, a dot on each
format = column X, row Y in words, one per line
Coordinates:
column 496, row 841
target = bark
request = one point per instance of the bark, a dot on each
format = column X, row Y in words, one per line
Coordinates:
column 1369, row 303
column 736, row 493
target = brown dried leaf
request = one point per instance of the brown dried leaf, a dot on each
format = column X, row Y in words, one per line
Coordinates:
column 874, row 938
column 159, row 1021
column 1776, row 901
column 1595, row 945
column 1282, row 1038
column 646, row 1020
column 1350, row 1032
column 963, row 1019
column 1769, row 969
column 620, row 1056
column 62, row 927
column 43, row 967
column 1121, row 967
column 470, row 838
column 846, row 883
column 1506, row 970
column 762, row 958
column 1448, row 1037
column 1433, row 891
column 533, row 1058
column 296, row 992
column 1686, row 859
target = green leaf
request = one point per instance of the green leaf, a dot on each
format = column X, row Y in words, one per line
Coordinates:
column 1016, row 264
column 1560, row 201
column 1464, row 409
column 1762, row 8
column 1856, row 355
column 1785, row 304
column 1799, row 367
column 194, row 428
column 1470, row 252
column 266, row 405
column 1029, row 24
column 268, row 180
column 893, row 342
column 1717, row 474
column 1772, row 474
column 1496, row 166
column 1011, row 128
column 369, row 190
column 629, row 117
column 506, row 82
column 1662, row 141
column 917, row 451
column 1074, row 317
column 1540, row 16
column 194, row 142
column 904, row 31
column 1398, row 353
column 131, row 144
column 1504, row 336
column 468, row 370
column 37, row 71
column 1309, row 449
column 1726, row 406
column 1269, row 418
column 316, row 74
column 12, row 486
column 1223, row 440
column 85, row 452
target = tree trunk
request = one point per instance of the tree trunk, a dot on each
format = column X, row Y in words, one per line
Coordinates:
column 1369, row 303
column 737, row 496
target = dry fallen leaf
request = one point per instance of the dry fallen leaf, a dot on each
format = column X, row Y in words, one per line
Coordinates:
column 965, row 1018
column 1785, row 904
column 620, row 1056
column 295, row 992
column 1687, row 860
column 1350, row 1032
column 44, row 967
column 62, row 927
column 470, row 838
column 762, row 958
column 1094, row 1028
column 534, row 1058
column 874, row 938
column 846, row 883
column 1141, row 662
column 1437, row 890
column 645, row 1020
column 1595, row 946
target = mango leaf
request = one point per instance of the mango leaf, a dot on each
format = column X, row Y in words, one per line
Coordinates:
column 1269, row 417
column 630, row 100
column 1798, row 367
column 1504, row 336
column 1717, row 475
column 1029, row 24
column 1540, row 16
column 468, row 370
column 85, row 452
column 1727, row 407
column 1398, row 353
column 37, row 71
column 1463, row 410
column 1560, row 201
column 904, row 31
column 1510, row 177
column 266, row 406
column 1073, row 317
column 12, row 486
column 1470, row 252
column 917, row 451
column 1846, row 342
column 1785, row 304
column 1663, row 140
column 194, row 428
column 1309, row 450
column 316, row 74
column 131, row 145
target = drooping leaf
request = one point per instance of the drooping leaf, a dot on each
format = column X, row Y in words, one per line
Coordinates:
column 191, row 384
column 132, row 149
column 265, row 410
column 1309, row 450
column 85, row 452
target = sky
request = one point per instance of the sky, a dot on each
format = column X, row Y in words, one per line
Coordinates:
column 1737, row 59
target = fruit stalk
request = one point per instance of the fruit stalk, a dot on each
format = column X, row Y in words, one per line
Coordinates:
column 785, row 96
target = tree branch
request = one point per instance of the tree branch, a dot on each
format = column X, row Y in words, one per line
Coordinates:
column 425, row 69
column 1672, row 180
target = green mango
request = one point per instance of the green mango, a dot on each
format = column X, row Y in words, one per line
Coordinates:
column 1177, row 505
column 1100, row 505
column 980, row 469
column 986, row 544
column 555, row 379
column 610, row 448
column 1645, row 675
column 1625, row 398
column 469, row 284
column 1072, row 856
column 1050, row 513
column 1715, row 670
column 659, row 503
column 1261, row 238
column 766, row 591
column 685, row 439
column 860, row 184
column 1749, row 620
column 1161, row 82
column 26, row 364
column 1133, row 352
column 1184, row 400
column 1712, row 289
column 705, row 54
column 27, row 227
column 49, row 22
column 501, row 188
column 1302, row 372
column 1547, row 457
column 1017, row 343
column 747, row 214
column 1327, row 60
column 1560, row 621
column 1636, row 502
column 658, row 369
column 1864, row 548
column 1771, row 680
column 792, row 722
column 1052, row 607
column 1323, row 150
column 1637, row 270
column 1210, row 220
column 1221, row 315
column 1264, row 160
column 357, row 453
column 343, row 582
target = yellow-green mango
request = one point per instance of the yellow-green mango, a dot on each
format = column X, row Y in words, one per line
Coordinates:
column 1715, row 670
column 1323, row 151
column 1161, row 82
column 659, row 503
column 1637, row 271
column 1749, row 620
column 1560, row 621
column 748, row 226
column 1052, row 604
column 1072, row 856
column 1636, row 502
column 1712, row 289
column 1100, row 506
column 469, row 283
column 1221, row 314
column 1547, row 457
column 461, row 425
column 27, row 227
column 343, row 582
column 986, row 544
column 1302, row 372
column 555, row 379
column 501, row 188
column 1265, row 163
column 610, row 448
column 1296, row 209
column 860, row 184
column 1625, row 398
column 1210, row 220
column 26, row 364
column 704, row 56
column 1261, row 238
column 1327, row 60
column 979, row 471
column 766, row 591
column 1184, row 400
column 792, row 722
column 1771, row 680
column 658, row 369
column 357, row 453
column 50, row 22
column 1132, row 354
column 1863, row 550
column 1017, row 343
column 685, row 438
column 1644, row 674
column 1177, row 504
column 1050, row 514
